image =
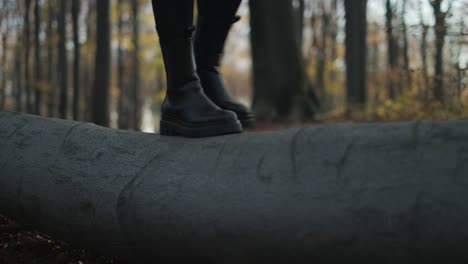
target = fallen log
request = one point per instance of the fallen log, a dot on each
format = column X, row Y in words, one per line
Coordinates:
column 386, row 193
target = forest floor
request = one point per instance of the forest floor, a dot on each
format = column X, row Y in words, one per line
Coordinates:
column 20, row 244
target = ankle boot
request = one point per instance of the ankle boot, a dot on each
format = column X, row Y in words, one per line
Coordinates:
column 186, row 110
column 210, row 38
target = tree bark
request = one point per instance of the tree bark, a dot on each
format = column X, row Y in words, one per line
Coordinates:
column 279, row 79
column 75, row 12
column 37, row 59
column 322, row 49
column 5, row 63
column 333, row 32
column 122, row 105
column 136, row 65
column 100, row 105
column 27, row 43
column 88, row 70
column 392, row 52
column 440, row 29
column 51, row 65
column 356, row 54
column 63, row 63
column 425, row 71
column 370, row 193
column 459, row 56
column 19, row 75
column 406, row 57
column 299, row 18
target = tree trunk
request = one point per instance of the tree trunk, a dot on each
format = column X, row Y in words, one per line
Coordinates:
column 440, row 29
column 322, row 49
column 4, row 70
column 27, row 43
column 88, row 70
column 63, row 63
column 374, row 66
column 51, row 65
column 37, row 59
column 280, row 83
column 392, row 52
column 406, row 58
column 19, row 75
column 313, row 22
column 459, row 56
column 312, row 49
column 122, row 104
column 356, row 54
column 333, row 32
column 370, row 193
column 425, row 71
column 100, row 106
column 299, row 16
column 136, row 65
column 75, row 11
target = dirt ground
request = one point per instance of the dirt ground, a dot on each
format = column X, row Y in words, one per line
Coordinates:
column 21, row 245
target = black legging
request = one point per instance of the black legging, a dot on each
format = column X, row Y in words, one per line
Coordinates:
column 175, row 17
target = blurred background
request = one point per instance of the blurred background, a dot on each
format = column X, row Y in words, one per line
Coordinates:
column 294, row 61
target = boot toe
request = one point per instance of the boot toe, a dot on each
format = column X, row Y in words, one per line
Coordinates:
column 197, row 117
column 243, row 113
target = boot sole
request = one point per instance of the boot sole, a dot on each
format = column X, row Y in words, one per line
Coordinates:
column 171, row 128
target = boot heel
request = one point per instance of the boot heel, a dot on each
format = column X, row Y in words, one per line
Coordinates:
column 166, row 130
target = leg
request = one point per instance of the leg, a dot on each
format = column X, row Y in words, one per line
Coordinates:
column 186, row 110
column 214, row 23
column 215, row 18
column 174, row 21
column 173, row 18
column 218, row 9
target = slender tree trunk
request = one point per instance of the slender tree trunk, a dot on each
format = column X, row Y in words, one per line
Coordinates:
column 75, row 11
column 88, row 67
column 5, row 64
column 280, row 83
column 322, row 55
column 100, row 100
column 459, row 54
column 425, row 71
column 299, row 16
column 374, row 64
column 63, row 63
column 37, row 58
column 136, row 64
column 312, row 48
column 19, row 75
column 406, row 58
column 356, row 54
column 122, row 104
column 440, row 29
column 333, row 29
column 27, row 43
column 3, row 70
column 51, row 65
column 313, row 22
column 392, row 53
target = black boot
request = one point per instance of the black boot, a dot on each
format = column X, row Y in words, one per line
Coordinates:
column 210, row 38
column 186, row 110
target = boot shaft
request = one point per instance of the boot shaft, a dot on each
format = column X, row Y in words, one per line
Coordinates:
column 179, row 61
column 210, row 38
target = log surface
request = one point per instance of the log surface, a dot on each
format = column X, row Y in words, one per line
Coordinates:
column 387, row 193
